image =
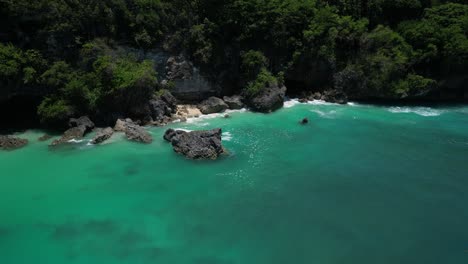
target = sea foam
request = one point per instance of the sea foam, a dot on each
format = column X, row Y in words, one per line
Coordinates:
column 422, row 111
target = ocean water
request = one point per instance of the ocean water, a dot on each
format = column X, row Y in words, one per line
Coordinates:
column 358, row 184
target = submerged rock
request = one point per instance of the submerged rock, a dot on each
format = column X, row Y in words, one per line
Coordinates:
column 304, row 121
column 234, row 102
column 102, row 135
column 269, row 99
column 205, row 144
column 212, row 105
column 72, row 133
column 11, row 143
column 137, row 133
column 44, row 137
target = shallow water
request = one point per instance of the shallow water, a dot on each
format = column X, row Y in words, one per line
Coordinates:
column 358, row 184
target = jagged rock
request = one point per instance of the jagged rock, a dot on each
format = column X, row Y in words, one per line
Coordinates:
column 72, row 133
column 120, row 125
column 11, row 143
column 212, row 105
column 171, row 133
column 82, row 121
column 269, row 99
column 234, row 102
column 162, row 107
column 334, row 96
column 44, row 137
column 204, row 144
column 137, row 133
column 102, row 135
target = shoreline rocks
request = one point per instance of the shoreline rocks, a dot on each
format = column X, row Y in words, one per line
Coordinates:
column 72, row 133
column 212, row 105
column 12, row 143
column 197, row 145
column 133, row 131
column 269, row 99
column 102, row 135
column 234, row 102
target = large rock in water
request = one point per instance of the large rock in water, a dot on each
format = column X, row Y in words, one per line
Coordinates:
column 205, row 144
column 234, row 102
column 72, row 133
column 212, row 105
column 269, row 99
column 11, row 143
column 137, row 133
column 102, row 135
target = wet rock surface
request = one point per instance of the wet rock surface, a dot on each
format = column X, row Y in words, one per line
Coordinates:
column 204, row 144
column 12, row 143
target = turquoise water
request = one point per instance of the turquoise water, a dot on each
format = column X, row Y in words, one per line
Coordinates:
column 358, row 184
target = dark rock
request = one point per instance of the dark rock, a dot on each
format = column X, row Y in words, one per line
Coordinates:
column 171, row 133
column 137, row 133
column 44, row 137
column 102, row 135
column 234, row 102
column 212, row 105
column 269, row 99
column 304, row 121
column 72, row 133
column 196, row 144
column 82, row 121
column 335, row 96
column 162, row 107
column 303, row 100
column 227, row 116
column 11, row 143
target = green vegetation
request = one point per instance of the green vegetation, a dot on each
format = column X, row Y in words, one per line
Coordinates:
column 68, row 50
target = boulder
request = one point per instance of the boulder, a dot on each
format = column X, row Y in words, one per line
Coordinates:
column 204, row 144
column 171, row 133
column 269, row 99
column 137, row 133
column 234, row 102
column 120, row 125
column 102, row 135
column 82, row 121
column 72, row 133
column 212, row 105
column 11, row 143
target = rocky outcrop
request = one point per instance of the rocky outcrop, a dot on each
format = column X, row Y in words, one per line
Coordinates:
column 269, row 99
column 82, row 121
column 204, row 144
column 133, row 131
column 334, row 96
column 234, row 102
column 102, row 135
column 162, row 108
column 137, row 133
column 212, row 105
column 72, row 133
column 79, row 127
column 11, row 143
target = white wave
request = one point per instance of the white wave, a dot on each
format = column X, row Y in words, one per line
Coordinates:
column 75, row 140
column 290, row 103
column 184, row 129
column 320, row 102
column 422, row 111
column 329, row 114
column 226, row 136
